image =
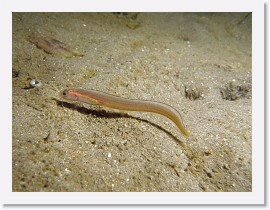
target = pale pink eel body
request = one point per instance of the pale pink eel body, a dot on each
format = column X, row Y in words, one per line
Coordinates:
column 115, row 102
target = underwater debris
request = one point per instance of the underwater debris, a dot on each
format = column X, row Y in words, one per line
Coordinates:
column 234, row 90
column 130, row 15
column 129, row 18
column 193, row 92
column 120, row 13
column 132, row 25
column 15, row 72
column 53, row 46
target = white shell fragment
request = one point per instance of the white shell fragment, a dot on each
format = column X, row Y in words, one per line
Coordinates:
column 35, row 83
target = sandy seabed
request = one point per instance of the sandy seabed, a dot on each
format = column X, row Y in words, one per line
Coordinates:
column 199, row 63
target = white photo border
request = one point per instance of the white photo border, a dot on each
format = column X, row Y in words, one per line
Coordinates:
column 257, row 196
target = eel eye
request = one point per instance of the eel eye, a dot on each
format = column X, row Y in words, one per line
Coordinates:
column 65, row 92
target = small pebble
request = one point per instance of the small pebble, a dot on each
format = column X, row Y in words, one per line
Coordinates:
column 35, row 83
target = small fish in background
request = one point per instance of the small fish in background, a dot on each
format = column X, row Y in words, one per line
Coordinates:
column 53, row 46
